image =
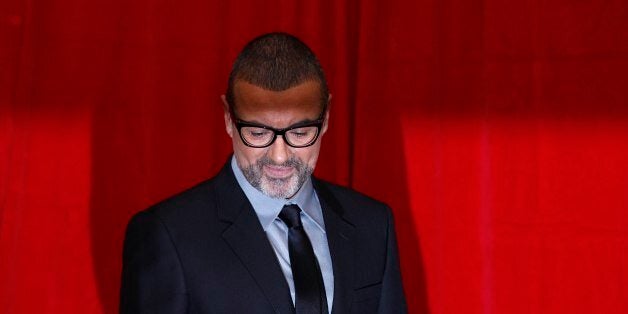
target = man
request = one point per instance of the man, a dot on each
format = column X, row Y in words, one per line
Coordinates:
column 264, row 236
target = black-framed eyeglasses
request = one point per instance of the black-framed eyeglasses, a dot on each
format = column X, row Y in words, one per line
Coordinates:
column 299, row 135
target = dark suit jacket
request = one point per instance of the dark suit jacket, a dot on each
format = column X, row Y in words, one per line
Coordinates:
column 204, row 251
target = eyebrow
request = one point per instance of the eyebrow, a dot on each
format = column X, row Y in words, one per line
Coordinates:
column 297, row 124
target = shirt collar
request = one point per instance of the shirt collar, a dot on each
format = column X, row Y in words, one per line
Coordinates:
column 268, row 208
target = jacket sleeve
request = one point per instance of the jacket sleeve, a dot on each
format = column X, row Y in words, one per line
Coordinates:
column 392, row 298
column 152, row 277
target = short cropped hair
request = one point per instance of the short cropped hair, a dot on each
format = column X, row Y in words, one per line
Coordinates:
column 277, row 61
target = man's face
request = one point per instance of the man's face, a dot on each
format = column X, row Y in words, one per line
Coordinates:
column 278, row 170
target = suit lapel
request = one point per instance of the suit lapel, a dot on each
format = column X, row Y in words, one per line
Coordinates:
column 339, row 237
column 247, row 239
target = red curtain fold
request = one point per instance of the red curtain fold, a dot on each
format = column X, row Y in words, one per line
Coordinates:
column 497, row 131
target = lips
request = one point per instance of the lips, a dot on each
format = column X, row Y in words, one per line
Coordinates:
column 278, row 172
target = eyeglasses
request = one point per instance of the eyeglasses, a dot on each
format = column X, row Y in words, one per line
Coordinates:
column 298, row 135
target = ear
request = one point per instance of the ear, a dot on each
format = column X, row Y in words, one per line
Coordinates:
column 227, row 116
column 326, row 122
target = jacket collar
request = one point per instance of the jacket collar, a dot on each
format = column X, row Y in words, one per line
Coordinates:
column 340, row 236
column 245, row 235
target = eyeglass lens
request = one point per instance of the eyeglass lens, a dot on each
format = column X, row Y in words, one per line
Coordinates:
column 297, row 137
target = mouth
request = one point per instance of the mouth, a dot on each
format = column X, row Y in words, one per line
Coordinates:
column 278, row 172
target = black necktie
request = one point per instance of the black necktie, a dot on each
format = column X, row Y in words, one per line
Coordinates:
column 308, row 282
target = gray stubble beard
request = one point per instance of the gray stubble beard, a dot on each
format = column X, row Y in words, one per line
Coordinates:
column 277, row 188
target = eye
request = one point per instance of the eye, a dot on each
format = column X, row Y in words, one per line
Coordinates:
column 301, row 132
column 256, row 132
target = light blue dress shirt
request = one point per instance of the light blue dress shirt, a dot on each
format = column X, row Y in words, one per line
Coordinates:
column 267, row 210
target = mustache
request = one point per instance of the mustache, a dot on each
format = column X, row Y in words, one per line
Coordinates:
column 291, row 162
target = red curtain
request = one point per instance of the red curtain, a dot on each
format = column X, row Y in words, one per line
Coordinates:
column 496, row 130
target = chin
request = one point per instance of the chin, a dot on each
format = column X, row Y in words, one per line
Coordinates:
column 280, row 188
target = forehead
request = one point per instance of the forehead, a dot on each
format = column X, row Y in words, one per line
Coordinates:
column 256, row 104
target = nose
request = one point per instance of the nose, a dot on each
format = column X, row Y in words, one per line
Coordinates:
column 279, row 151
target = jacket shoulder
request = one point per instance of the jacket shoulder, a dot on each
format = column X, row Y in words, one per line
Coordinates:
column 197, row 196
column 200, row 203
column 351, row 201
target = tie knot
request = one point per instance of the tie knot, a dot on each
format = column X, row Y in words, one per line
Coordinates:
column 291, row 215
